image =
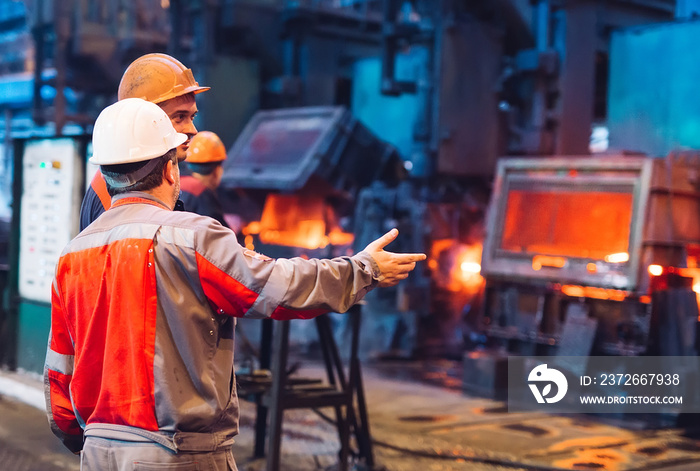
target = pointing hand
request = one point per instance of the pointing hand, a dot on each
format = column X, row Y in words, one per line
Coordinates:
column 393, row 267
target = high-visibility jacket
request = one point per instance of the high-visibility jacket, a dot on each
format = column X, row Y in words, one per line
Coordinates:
column 143, row 312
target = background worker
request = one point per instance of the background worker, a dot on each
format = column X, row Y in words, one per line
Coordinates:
column 160, row 79
column 144, row 301
column 205, row 159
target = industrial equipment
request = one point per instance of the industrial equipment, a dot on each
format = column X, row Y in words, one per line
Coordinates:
column 452, row 85
column 614, row 239
column 310, row 163
column 49, row 185
column 650, row 110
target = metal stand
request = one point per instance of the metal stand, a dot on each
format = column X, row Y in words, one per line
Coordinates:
column 346, row 396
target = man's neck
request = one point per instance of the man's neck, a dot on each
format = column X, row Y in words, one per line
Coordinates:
column 138, row 195
column 164, row 193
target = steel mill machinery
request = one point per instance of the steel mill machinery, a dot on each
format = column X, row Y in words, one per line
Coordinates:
column 590, row 255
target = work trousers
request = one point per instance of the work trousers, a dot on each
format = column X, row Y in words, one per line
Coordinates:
column 105, row 454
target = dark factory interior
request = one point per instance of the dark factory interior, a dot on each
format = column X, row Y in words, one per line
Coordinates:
column 543, row 154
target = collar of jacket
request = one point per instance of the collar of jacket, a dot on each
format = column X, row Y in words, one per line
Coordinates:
column 137, row 197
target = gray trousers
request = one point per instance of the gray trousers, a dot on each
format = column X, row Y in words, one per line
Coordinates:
column 128, row 452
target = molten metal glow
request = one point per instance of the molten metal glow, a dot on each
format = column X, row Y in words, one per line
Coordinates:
column 593, row 292
column 621, row 257
column 470, row 267
column 694, row 273
column 655, row 270
column 456, row 266
column 539, row 261
column 569, row 222
column 252, row 228
column 298, row 221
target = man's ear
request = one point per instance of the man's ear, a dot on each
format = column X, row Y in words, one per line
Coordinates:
column 169, row 172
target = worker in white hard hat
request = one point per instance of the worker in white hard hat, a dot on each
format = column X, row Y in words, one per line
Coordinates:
column 139, row 369
column 205, row 159
column 161, row 79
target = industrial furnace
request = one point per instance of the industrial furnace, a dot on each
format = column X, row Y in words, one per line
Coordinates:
column 593, row 255
column 301, row 170
column 305, row 166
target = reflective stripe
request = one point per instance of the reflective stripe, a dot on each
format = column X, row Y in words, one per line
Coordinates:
column 91, row 240
column 59, row 363
column 177, row 236
column 274, row 290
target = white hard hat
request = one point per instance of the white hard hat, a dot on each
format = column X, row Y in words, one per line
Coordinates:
column 132, row 130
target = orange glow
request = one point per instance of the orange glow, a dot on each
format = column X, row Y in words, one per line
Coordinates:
column 573, row 291
column 249, row 242
column 580, row 224
column 655, row 270
column 456, row 267
column 539, row 261
column 298, row 221
column 252, row 228
column 593, row 292
column 694, row 273
column 603, row 452
column 592, row 268
column 617, row 257
column 337, row 237
column 470, row 267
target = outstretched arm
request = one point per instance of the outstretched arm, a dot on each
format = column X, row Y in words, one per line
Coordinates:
column 240, row 282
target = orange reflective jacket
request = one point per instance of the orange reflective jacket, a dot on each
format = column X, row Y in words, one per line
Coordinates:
column 143, row 314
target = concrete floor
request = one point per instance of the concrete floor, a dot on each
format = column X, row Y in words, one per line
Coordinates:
column 414, row 425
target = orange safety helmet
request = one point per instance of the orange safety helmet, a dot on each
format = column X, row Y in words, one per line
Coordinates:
column 157, row 78
column 205, row 148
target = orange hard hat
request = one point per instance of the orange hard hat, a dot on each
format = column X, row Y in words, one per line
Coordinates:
column 157, row 78
column 205, row 147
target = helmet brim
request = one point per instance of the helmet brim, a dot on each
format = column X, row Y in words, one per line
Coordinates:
column 177, row 140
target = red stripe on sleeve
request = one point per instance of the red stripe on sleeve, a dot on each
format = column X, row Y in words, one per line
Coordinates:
column 223, row 291
column 286, row 314
column 235, row 299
